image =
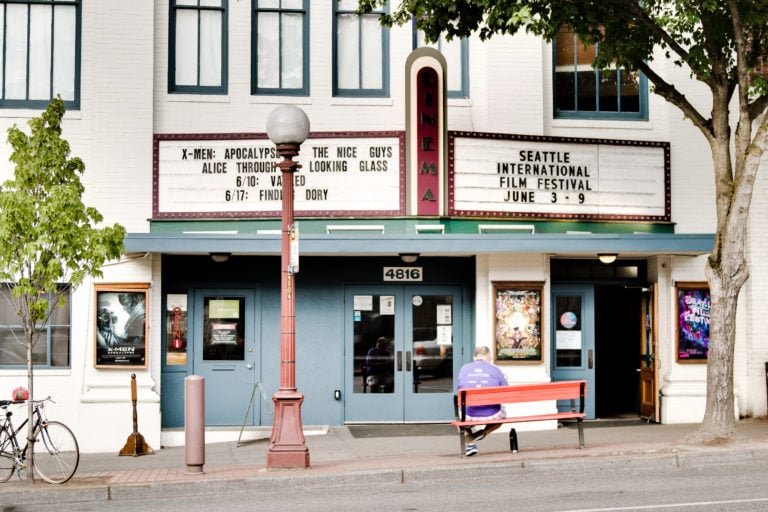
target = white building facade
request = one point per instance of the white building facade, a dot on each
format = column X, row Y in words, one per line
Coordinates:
column 470, row 159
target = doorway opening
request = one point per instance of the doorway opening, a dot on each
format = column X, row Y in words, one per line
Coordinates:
column 618, row 330
column 619, row 322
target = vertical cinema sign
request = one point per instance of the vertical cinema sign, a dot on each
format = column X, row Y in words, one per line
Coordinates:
column 426, row 129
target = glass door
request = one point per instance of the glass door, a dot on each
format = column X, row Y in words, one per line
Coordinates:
column 225, row 354
column 400, row 342
column 573, row 339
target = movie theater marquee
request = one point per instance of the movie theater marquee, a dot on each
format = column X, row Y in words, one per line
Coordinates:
column 546, row 177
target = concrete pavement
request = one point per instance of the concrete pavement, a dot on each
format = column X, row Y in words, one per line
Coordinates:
column 383, row 453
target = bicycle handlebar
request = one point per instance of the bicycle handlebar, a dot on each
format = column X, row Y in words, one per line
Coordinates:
column 6, row 403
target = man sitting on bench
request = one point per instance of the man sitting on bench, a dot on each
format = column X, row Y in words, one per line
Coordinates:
column 480, row 373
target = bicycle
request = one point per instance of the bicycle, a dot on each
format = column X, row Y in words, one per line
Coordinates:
column 56, row 451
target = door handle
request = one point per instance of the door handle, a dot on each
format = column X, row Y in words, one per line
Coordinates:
column 399, row 360
column 590, row 361
column 249, row 366
column 408, row 361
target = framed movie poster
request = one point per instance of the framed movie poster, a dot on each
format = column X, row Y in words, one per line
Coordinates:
column 120, row 325
column 517, row 324
column 693, row 305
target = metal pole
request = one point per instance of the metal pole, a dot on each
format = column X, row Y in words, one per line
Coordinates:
column 194, row 423
column 287, row 448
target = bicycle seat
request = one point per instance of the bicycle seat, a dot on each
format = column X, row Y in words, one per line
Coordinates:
column 6, row 403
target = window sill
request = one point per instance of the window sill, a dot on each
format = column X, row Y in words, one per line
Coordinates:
column 32, row 112
column 362, row 101
column 39, row 372
column 198, row 98
column 602, row 123
column 264, row 99
column 459, row 102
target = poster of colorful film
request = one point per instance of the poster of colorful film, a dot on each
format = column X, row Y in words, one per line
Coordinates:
column 693, row 307
column 518, row 323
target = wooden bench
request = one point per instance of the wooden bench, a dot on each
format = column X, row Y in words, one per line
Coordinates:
column 519, row 393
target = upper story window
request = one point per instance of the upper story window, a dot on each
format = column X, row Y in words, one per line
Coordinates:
column 456, row 53
column 360, row 53
column 583, row 92
column 40, row 53
column 197, row 57
column 280, row 47
column 53, row 346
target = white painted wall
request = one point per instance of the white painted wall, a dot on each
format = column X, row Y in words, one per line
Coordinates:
column 124, row 101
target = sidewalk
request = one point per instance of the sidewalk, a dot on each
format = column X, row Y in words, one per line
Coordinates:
column 340, row 455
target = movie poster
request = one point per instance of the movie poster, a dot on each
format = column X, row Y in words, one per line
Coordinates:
column 121, row 327
column 693, row 306
column 518, row 322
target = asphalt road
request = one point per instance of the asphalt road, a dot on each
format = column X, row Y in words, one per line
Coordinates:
column 706, row 487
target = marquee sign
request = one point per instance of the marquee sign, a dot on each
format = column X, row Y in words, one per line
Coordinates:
column 495, row 175
column 220, row 176
column 425, row 115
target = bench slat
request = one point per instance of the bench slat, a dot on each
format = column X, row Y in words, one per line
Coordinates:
column 522, row 419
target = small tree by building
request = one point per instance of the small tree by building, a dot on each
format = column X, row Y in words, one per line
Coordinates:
column 49, row 240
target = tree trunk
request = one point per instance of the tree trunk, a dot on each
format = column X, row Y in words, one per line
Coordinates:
column 727, row 271
column 30, row 409
column 719, row 424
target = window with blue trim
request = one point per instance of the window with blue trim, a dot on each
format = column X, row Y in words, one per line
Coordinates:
column 583, row 92
column 360, row 52
column 40, row 53
column 52, row 349
column 197, row 56
column 280, row 53
column 456, row 53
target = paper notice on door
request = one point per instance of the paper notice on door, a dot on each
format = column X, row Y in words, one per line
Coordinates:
column 444, row 314
column 363, row 302
column 444, row 335
column 224, row 333
column 568, row 340
column 387, row 305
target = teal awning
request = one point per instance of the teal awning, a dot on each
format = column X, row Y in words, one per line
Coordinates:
column 370, row 244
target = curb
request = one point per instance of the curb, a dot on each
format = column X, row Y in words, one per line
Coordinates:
column 99, row 489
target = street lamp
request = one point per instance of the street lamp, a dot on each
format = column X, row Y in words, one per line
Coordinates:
column 287, row 127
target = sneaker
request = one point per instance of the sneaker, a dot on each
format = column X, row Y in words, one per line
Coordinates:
column 471, row 450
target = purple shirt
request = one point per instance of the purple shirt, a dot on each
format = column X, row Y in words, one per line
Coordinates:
column 479, row 374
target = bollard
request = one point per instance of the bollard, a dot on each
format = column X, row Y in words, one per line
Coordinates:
column 194, row 423
column 513, row 440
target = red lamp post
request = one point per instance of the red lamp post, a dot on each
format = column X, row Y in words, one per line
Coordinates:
column 287, row 127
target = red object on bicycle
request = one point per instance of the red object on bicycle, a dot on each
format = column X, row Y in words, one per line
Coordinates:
column 20, row 394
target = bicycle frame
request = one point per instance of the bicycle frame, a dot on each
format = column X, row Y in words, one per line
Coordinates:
column 14, row 431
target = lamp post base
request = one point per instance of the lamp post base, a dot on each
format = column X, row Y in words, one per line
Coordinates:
column 287, row 448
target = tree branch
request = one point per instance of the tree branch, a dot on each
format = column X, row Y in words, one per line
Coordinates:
column 758, row 106
column 678, row 99
column 642, row 16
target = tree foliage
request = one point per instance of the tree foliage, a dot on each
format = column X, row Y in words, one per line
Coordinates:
column 48, row 237
column 720, row 44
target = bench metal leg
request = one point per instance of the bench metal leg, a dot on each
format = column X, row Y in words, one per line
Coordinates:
column 581, row 433
column 462, row 442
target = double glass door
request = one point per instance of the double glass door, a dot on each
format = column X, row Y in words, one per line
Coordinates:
column 400, row 343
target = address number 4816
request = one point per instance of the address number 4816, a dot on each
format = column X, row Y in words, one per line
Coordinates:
column 402, row 274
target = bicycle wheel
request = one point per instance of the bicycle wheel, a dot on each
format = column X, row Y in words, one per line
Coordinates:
column 56, row 452
column 6, row 456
